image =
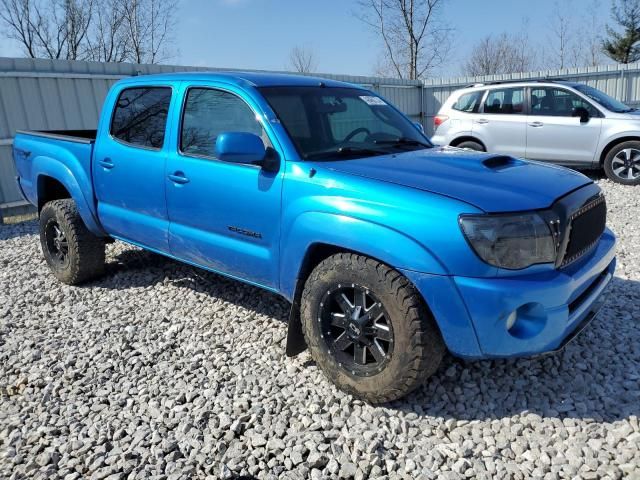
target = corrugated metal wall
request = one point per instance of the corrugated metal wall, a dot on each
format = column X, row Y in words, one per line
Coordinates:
column 61, row 94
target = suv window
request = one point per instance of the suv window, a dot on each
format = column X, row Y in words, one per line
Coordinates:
column 140, row 116
column 469, row 102
column 505, row 101
column 557, row 102
column 208, row 113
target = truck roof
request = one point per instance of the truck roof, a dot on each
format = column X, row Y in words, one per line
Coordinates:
column 254, row 79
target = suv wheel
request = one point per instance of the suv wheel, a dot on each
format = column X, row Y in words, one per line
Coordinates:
column 72, row 252
column 622, row 164
column 368, row 328
column 471, row 145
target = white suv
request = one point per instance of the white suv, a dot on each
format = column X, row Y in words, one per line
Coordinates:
column 554, row 121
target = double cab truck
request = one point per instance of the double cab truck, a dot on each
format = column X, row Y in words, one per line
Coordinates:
column 391, row 250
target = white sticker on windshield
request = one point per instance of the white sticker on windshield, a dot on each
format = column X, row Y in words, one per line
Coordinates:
column 371, row 100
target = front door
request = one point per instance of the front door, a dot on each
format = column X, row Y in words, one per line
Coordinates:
column 555, row 134
column 501, row 124
column 223, row 216
column 129, row 165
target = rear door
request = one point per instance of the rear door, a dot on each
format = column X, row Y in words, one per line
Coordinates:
column 501, row 123
column 554, row 134
column 129, row 164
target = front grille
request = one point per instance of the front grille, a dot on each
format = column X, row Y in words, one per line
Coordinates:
column 586, row 226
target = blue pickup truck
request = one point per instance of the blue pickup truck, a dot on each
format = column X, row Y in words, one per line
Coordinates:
column 391, row 250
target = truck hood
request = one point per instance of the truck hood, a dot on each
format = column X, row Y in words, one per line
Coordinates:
column 493, row 183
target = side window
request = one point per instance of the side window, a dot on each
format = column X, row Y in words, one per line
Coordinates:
column 557, row 102
column 505, row 101
column 140, row 116
column 469, row 102
column 208, row 113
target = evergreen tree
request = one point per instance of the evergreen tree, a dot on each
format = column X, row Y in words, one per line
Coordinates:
column 624, row 47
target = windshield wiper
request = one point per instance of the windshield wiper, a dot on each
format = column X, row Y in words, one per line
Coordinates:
column 627, row 110
column 402, row 141
column 346, row 152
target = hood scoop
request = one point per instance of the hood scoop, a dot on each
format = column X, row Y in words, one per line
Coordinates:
column 498, row 162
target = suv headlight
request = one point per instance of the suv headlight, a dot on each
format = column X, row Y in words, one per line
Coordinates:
column 511, row 241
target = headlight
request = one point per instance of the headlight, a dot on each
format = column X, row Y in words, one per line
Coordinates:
column 512, row 241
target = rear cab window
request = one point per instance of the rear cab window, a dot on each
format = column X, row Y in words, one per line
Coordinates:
column 469, row 102
column 140, row 116
column 505, row 101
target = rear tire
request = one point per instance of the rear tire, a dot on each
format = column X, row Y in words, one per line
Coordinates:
column 389, row 308
column 622, row 163
column 471, row 145
column 72, row 252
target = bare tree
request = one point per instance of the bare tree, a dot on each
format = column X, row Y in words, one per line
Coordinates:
column 416, row 40
column 148, row 25
column 54, row 29
column 502, row 54
column 561, row 53
column 589, row 37
column 102, row 30
column 302, row 60
column 107, row 42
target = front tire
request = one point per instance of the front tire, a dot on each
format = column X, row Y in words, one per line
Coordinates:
column 72, row 252
column 368, row 328
column 622, row 163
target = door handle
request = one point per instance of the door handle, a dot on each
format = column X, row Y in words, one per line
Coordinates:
column 106, row 163
column 536, row 124
column 179, row 178
column 482, row 121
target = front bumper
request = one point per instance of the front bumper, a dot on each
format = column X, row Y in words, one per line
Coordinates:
column 545, row 308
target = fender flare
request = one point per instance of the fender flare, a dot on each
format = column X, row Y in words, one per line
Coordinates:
column 58, row 170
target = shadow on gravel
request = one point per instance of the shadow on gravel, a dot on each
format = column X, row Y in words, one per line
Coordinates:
column 10, row 231
column 141, row 268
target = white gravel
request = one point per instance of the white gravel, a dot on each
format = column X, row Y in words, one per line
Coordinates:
column 156, row 371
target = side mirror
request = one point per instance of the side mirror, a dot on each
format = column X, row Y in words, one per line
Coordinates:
column 581, row 112
column 240, row 147
column 419, row 126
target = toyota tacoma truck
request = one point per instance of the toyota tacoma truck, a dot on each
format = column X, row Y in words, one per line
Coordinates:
column 391, row 251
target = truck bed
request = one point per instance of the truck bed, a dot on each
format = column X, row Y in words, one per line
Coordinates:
column 81, row 136
column 63, row 155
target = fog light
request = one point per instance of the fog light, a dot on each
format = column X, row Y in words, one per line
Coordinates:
column 527, row 321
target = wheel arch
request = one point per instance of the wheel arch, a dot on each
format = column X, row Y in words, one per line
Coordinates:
column 613, row 143
column 314, row 255
column 467, row 138
column 54, row 180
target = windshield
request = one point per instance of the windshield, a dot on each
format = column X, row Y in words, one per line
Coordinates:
column 327, row 122
column 603, row 99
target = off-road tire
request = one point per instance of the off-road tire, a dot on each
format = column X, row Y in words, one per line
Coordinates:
column 418, row 346
column 608, row 163
column 471, row 145
column 86, row 252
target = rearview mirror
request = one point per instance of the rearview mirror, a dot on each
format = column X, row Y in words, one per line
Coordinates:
column 247, row 148
column 419, row 126
column 581, row 112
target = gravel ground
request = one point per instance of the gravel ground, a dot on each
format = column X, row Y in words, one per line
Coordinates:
column 158, row 371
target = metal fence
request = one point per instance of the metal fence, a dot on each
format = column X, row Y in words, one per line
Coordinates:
column 61, row 94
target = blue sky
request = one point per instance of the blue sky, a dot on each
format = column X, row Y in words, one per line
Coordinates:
column 259, row 34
